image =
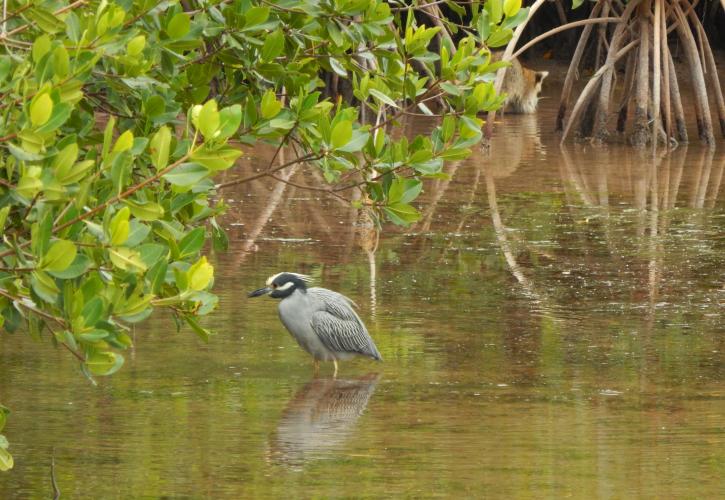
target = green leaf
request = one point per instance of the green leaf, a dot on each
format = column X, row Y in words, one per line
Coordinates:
column 384, row 98
column 40, row 234
column 108, row 136
column 58, row 117
column 219, row 237
column 511, row 7
column 77, row 268
column 455, row 154
column 6, row 460
column 500, row 37
column 76, row 173
column 22, row 154
column 218, row 158
column 41, row 46
column 341, row 134
column 119, row 227
column 3, row 217
column 136, row 45
column 150, row 253
column 448, row 128
column 121, row 168
column 160, row 145
column 92, row 311
column 145, row 210
column 6, row 67
column 154, row 106
column 229, row 120
column 93, row 336
column 73, row 27
column 28, row 186
column 59, row 257
column 137, row 234
column 179, row 26
column 65, row 159
column 4, row 412
column 104, row 362
column 483, row 25
column 335, row 34
column 337, row 67
column 203, row 333
column 200, row 274
column 157, row 275
column 514, row 21
column 127, row 259
column 61, row 62
column 270, row 106
column 44, row 286
column 273, row 45
column 46, row 20
column 207, row 120
column 191, row 243
column 404, row 190
column 256, row 16
column 358, row 141
column 41, row 107
column 124, row 142
column 187, row 174
column 576, row 3
column 495, row 10
column 401, row 214
column 451, row 88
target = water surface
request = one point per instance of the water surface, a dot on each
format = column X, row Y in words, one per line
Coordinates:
column 553, row 326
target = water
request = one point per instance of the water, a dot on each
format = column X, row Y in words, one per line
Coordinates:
column 551, row 327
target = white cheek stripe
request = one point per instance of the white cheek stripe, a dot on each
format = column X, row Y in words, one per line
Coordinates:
column 286, row 286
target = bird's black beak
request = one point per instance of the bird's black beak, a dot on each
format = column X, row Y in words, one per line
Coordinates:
column 259, row 292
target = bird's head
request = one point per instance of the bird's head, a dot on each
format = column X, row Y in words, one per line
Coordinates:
column 282, row 285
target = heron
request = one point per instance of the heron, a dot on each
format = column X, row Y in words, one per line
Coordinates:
column 323, row 322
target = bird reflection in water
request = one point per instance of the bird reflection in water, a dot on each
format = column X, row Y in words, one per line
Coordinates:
column 319, row 419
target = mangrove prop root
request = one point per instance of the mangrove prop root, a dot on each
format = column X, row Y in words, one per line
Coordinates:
column 571, row 74
column 650, row 81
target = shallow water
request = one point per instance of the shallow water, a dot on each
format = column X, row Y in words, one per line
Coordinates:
column 553, row 326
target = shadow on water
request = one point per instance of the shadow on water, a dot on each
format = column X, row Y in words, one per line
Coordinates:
column 319, row 419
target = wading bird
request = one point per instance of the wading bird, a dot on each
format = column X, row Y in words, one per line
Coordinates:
column 322, row 322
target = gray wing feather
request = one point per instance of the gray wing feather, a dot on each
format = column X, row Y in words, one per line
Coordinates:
column 339, row 327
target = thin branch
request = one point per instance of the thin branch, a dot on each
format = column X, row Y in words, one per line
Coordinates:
column 33, row 309
column 12, row 15
column 17, row 269
column 281, row 145
column 568, row 26
column 307, row 157
column 22, row 28
column 123, row 195
column 310, row 188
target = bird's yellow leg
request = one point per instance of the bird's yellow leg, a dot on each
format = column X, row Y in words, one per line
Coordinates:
column 334, row 375
column 316, row 364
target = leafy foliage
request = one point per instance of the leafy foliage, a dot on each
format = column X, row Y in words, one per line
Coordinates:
column 115, row 117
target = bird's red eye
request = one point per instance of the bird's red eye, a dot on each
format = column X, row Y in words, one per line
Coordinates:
column 274, row 285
